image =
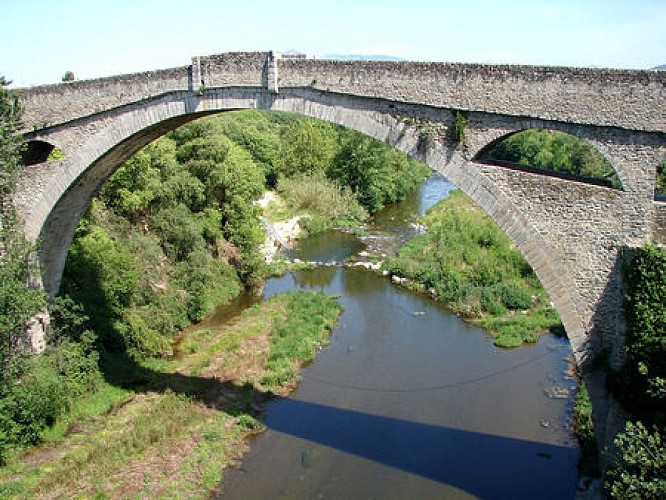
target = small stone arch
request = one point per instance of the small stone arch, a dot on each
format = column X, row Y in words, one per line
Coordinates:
column 38, row 151
column 483, row 154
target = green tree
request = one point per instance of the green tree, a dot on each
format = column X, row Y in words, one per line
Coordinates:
column 378, row 174
column 641, row 384
column 258, row 135
column 639, row 469
column 134, row 187
column 101, row 274
column 557, row 151
column 307, row 146
column 232, row 181
column 18, row 301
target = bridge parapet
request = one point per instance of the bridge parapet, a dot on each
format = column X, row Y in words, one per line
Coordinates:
column 628, row 99
column 634, row 100
column 48, row 105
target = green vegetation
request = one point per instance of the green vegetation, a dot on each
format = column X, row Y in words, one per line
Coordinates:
column 556, row 151
column 661, row 178
column 323, row 202
column 296, row 340
column 173, row 233
column 178, row 423
column 379, row 175
column 460, row 123
column 641, row 384
column 468, row 263
column 176, row 230
column 21, row 417
column 639, row 468
column 17, row 302
column 588, row 462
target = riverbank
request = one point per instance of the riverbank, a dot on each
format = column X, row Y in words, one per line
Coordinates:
column 170, row 427
column 466, row 262
column 455, row 254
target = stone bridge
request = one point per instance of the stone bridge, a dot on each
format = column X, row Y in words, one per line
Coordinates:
column 572, row 233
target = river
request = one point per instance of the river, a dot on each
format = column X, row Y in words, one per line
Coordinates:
column 408, row 401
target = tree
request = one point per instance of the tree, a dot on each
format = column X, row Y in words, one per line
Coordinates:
column 11, row 145
column 639, row 469
column 377, row 173
column 661, row 178
column 68, row 76
column 308, row 146
column 557, row 151
column 18, row 302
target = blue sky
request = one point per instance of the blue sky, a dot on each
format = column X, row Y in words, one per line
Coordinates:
column 44, row 38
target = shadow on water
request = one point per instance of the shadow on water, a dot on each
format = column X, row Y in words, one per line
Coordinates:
column 483, row 465
column 475, row 462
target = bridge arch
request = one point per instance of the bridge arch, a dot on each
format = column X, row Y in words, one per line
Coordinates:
column 76, row 179
column 611, row 179
column 37, row 151
column 571, row 233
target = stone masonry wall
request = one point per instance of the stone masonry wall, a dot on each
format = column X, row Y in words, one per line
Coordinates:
column 628, row 99
column 48, row 105
column 660, row 223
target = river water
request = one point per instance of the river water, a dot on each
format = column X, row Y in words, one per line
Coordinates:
column 408, row 401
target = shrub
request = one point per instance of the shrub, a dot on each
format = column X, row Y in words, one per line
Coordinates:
column 639, row 469
column 475, row 270
column 641, row 383
column 320, row 196
column 588, row 462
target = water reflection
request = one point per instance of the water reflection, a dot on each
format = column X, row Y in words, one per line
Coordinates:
column 327, row 247
column 315, row 280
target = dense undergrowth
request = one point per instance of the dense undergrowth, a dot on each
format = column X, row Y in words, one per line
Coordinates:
column 173, row 233
column 470, row 265
column 639, row 465
column 162, row 427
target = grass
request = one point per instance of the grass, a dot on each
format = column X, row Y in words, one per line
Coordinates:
column 468, row 263
column 168, row 428
column 588, row 462
column 324, row 202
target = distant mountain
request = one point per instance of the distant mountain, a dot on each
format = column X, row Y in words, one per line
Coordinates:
column 661, row 68
column 359, row 57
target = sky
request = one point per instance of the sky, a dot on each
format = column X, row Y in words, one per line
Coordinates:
column 42, row 39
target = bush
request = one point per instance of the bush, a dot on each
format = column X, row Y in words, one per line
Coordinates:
column 319, row 196
column 641, row 383
column 475, row 270
column 207, row 281
column 376, row 173
column 39, row 388
column 639, row 468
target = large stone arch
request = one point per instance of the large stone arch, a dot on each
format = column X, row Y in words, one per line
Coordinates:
column 76, row 179
column 53, row 196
